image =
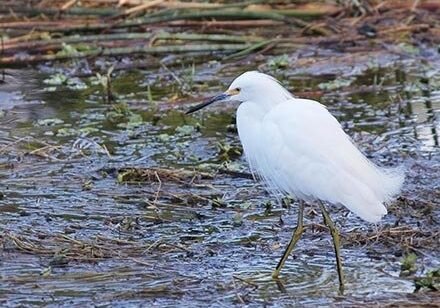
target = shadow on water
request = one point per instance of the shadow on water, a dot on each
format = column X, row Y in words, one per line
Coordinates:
column 78, row 225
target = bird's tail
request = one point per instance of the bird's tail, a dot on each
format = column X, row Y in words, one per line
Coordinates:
column 391, row 182
column 368, row 203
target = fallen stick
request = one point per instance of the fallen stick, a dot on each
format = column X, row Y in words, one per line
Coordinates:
column 50, row 44
column 14, row 60
column 93, row 25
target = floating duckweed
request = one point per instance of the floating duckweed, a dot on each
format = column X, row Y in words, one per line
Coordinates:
column 59, row 79
column 66, row 132
column 134, row 120
column 228, row 151
column 50, row 122
column 164, row 137
column 335, row 84
column 185, row 130
column 237, row 220
column 408, row 48
column 87, row 130
column 49, row 89
column 56, row 80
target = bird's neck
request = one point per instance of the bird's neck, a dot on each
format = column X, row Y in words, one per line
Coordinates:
column 265, row 104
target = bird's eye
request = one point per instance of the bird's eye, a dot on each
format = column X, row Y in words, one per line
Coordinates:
column 238, row 90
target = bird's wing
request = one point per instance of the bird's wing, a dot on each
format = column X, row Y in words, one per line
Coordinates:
column 304, row 151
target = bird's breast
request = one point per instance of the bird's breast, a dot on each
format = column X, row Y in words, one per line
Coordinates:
column 249, row 121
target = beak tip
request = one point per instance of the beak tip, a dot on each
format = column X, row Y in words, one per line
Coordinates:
column 209, row 102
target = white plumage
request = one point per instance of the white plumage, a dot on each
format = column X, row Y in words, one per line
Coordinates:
column 299, row 148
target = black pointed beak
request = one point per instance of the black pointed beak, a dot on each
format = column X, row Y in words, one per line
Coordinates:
column 208, row 102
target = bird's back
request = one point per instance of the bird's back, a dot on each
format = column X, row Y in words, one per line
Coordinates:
column 300, row 148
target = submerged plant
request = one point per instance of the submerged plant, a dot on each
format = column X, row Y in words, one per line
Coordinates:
column 228, row 151
column 188, row 78
column 106, row 83
column 124, row 117
column 431, row 281
column 408, row 265
column 278, row 62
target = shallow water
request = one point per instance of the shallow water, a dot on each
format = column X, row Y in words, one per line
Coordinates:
column 74, row 235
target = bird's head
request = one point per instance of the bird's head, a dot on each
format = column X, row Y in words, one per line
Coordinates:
column 250, row 86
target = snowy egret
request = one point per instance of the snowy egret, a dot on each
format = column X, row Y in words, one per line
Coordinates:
column 298, row 148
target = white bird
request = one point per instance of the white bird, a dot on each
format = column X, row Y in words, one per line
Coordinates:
column 300, row 149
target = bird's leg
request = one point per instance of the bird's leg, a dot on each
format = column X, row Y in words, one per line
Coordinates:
column 295, row 237
column 336, row 243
